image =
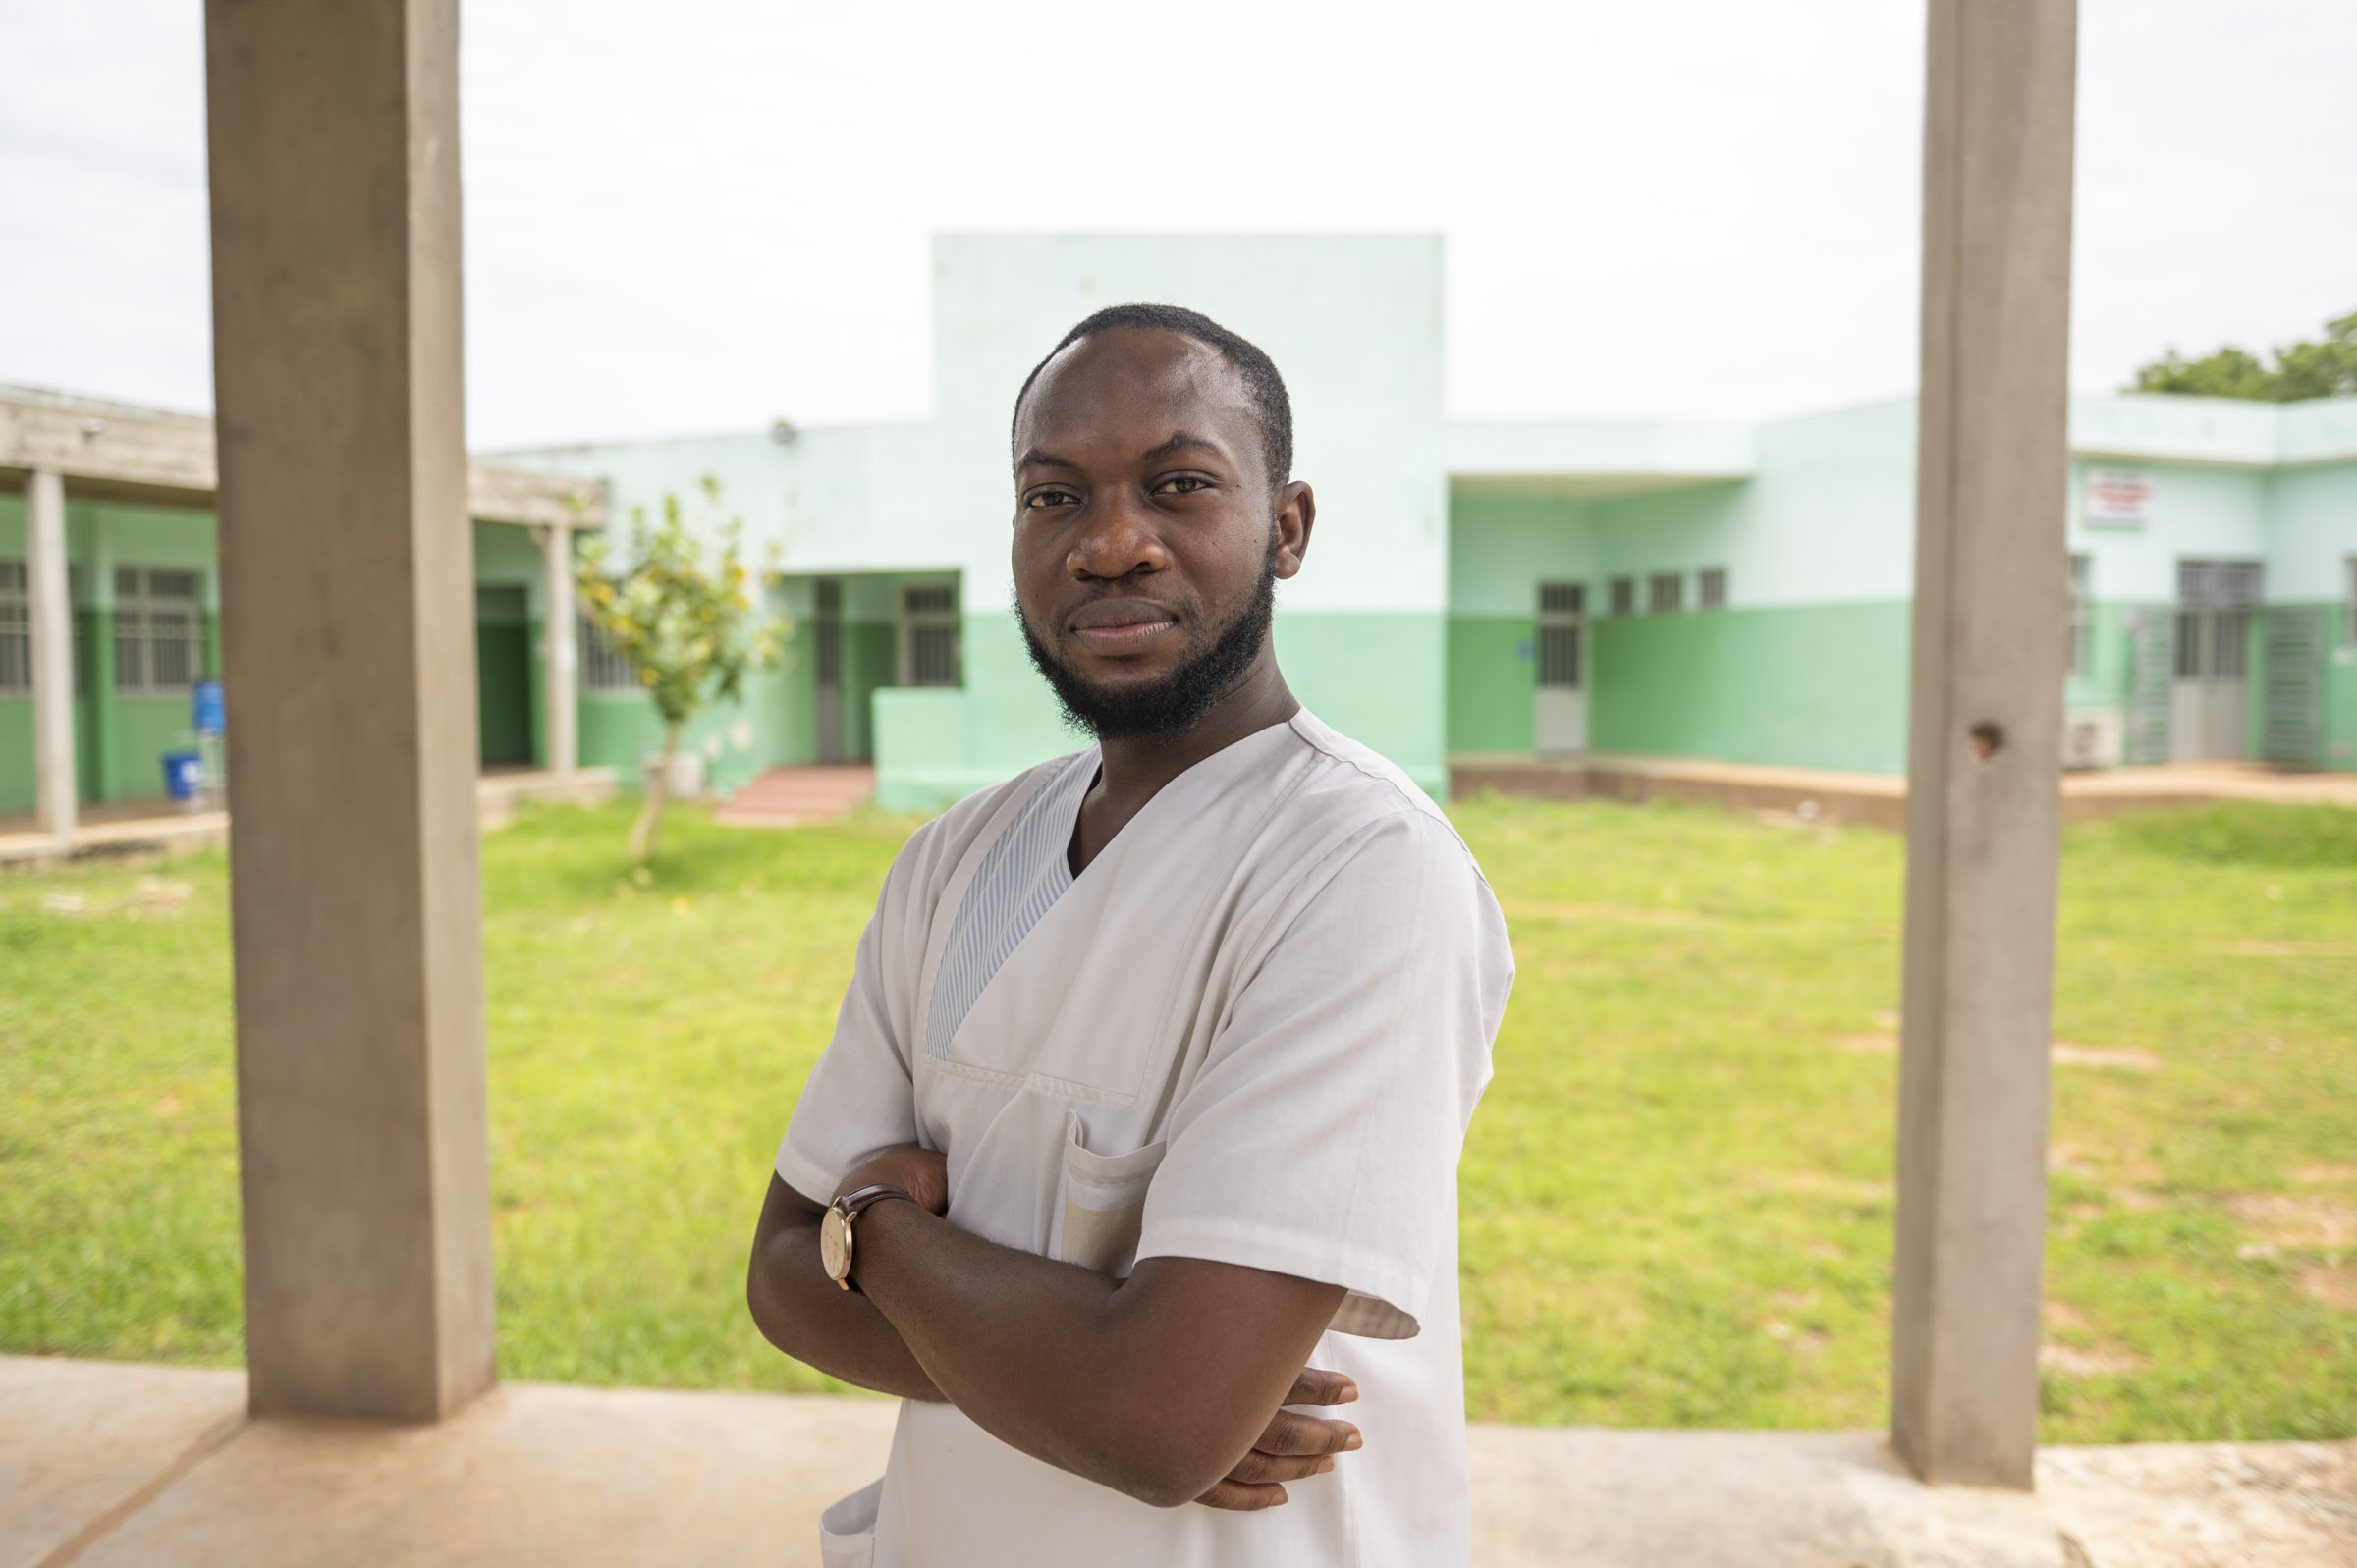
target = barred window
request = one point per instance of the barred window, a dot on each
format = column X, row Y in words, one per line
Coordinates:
column 2352, row 564
column 2082, row 614
column 15, row 631
column 602, row 669
column 1562, row 607
column 1666, row 592
column 1623, row 591
column 1710, row 587
column 929, row 636
column 159, row 631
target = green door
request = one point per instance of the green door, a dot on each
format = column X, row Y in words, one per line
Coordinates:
column 503, row 664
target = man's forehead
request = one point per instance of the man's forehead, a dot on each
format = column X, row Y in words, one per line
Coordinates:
column 1128, row 376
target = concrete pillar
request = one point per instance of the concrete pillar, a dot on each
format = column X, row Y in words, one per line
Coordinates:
column 348, row 606
column 1984, row 765
column 561, row 658
column 56, row 799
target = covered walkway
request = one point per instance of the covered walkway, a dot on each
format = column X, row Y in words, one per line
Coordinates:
column 103, row 1464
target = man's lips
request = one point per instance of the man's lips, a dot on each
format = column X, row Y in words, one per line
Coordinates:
column 1120, row 626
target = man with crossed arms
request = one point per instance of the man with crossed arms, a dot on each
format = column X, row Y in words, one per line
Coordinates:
column 1142, row 1120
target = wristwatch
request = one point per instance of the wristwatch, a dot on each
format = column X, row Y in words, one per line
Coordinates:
column 835, row 1228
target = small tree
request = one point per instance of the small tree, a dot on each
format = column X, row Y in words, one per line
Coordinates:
column 685, row 628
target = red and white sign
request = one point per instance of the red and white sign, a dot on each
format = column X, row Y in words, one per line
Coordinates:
column 2117, row 498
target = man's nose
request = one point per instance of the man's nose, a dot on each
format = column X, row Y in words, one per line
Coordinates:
column 1117, row 540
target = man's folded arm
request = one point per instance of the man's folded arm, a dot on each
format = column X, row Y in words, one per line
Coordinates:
column 1155, row 1385
column 813, row 1320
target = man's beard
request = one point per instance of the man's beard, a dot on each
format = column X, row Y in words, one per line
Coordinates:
column 1170, row 704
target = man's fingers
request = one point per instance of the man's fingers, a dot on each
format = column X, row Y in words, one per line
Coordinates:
column 1318, row 1387
column 1290, row 1433
column 1238, row 1497
column 1257, row 1468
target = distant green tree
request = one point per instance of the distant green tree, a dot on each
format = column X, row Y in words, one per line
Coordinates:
column 686, row 628
column 2326, row 368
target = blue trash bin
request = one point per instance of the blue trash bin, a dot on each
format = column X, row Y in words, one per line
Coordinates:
column 184, row 776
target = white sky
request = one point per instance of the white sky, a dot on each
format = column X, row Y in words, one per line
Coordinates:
column 701, row 215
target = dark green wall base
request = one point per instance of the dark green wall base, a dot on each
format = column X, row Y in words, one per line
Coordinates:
column 1825, row 687
column 1493, row 684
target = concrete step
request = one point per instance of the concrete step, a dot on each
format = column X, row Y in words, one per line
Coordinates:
column 795, row 797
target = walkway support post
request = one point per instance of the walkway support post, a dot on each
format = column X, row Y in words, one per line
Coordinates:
column 56, row 798
column 561, row 658
column 349, row 643
column 1984, row 763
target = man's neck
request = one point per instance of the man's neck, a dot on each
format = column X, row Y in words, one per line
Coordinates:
column 1135, row 769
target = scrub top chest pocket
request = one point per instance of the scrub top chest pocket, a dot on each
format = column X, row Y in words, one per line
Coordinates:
column 1104, row 1203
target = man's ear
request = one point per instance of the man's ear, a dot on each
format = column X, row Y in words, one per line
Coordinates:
column 1296, row 515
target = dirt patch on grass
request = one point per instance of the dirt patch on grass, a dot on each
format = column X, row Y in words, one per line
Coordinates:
column 2077, row 1361
column 1610, row 913
column 2335, row 1286
column 2122, row 1058
column 2319, row 1175
column 1817, row 1184
column 2063, row 1052
column 2256, row 949
column 2290, row 1219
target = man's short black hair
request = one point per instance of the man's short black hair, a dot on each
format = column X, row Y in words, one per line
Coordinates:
column 1273, row 408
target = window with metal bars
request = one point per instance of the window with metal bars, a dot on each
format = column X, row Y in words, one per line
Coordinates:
column 2082, row 614
column 1710, row 587
column 2215, row 604
column 2352, row 566
column 1563, row 608
column 1666, row 592
column 15, row 631
column 602, row 669
column 1622, row 592
column 159, row 631
column 929, row 636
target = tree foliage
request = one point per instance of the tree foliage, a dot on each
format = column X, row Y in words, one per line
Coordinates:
column 683, row 619
column 2325, row 368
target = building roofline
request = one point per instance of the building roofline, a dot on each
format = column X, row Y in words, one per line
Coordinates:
column 127, row 452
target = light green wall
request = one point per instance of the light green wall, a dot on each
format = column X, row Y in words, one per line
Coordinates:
column 1378, row 678
column 1820, row 686
column 935, row 745
column 1502, row 547
column 1375, row 677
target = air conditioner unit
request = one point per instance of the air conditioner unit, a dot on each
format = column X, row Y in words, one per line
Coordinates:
column 2091, row 738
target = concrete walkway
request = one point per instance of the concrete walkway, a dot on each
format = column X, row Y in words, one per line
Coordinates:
column 1803, row 796
column 106, row 1466
column 795, row 797
column 150, row 827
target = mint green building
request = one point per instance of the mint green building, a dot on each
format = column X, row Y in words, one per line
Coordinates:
column 1732, row 592
column 1666, row 589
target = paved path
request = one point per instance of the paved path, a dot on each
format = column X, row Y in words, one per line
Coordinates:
column 1808, row 796
column 148, row 826
column 794, row 797
column 105, row 1466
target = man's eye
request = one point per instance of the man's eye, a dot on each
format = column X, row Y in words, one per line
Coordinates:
column 1185, row 484
column 1042, row 498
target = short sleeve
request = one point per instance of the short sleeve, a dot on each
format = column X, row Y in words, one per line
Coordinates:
column 860, row 1099
column 1321, row 1137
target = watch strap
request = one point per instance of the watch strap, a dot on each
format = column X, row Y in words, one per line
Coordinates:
column 851, row 1203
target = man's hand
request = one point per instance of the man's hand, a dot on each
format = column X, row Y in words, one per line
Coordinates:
column 923, row 1173
column 1292, row 1447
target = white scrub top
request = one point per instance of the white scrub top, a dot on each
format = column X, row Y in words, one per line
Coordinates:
column 1252, row 1030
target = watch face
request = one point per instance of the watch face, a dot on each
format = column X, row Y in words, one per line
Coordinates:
column 834, row 1244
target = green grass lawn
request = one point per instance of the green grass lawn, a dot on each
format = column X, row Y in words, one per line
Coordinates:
column 1677, row 1192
